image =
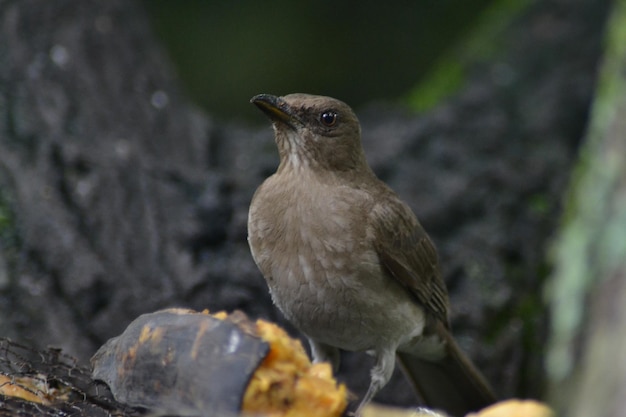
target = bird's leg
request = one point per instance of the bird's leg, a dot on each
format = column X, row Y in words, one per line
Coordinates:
column 380, row 374
column 322, row 352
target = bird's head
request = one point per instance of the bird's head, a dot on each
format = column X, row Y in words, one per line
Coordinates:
column 314, row 131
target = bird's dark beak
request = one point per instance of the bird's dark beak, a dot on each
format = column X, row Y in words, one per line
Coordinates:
column 276, row 109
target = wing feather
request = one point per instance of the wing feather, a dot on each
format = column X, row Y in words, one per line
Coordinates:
column 409, row 255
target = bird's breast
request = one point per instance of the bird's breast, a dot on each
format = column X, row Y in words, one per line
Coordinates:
column 314, row 249
column 309, row 235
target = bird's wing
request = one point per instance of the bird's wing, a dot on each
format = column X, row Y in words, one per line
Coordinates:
column 408, row 254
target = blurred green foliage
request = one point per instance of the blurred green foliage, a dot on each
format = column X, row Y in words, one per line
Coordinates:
column 360, row 51
column 481, row 41
column 9, row 238
column 6, row 217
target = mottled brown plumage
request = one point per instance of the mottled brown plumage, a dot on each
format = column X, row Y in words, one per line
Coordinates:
column 347, row 262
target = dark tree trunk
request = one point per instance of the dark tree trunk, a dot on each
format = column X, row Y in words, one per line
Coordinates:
column 101, row 163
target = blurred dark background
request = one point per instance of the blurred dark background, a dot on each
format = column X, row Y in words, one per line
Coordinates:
column 120, row 195
column 359, row 51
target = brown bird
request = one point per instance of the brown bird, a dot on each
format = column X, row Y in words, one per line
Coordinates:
column 348, row 263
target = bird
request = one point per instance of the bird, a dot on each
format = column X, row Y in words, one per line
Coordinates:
column 348, row 263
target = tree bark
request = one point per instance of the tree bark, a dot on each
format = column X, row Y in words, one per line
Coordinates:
column 100, row 158
column 587, row 357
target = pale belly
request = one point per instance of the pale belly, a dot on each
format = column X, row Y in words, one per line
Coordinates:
column 355, row 307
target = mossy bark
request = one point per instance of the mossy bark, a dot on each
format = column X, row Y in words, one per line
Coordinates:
column 587, row 357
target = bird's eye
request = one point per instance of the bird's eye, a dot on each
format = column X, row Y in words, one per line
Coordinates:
column 328, row 118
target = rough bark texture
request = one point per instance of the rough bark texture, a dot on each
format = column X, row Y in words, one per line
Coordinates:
column 117, row 197
column 587, row 359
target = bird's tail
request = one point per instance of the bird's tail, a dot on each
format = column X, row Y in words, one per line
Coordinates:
column 452, row 384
